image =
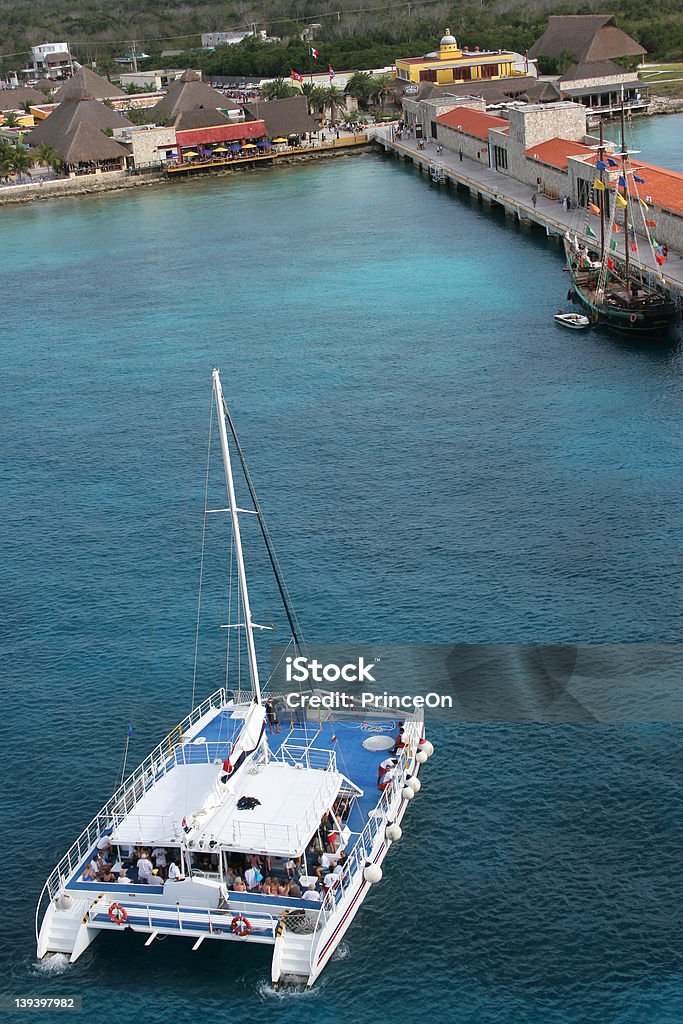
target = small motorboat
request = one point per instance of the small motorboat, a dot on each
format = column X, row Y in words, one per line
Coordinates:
column 574, row 321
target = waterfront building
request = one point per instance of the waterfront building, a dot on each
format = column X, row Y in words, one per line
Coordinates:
column 589, row 37
column 85, row 82
column 451, row 64
column 16, row 99
column 58, row 129
column 187, row 93
column 601, row 85
column 155, row 81
column 283, row 117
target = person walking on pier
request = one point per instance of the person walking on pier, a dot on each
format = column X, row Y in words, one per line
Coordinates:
column 534, row 199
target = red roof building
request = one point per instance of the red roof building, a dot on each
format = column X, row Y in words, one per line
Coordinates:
column 472, row 122
column 242, row 131
column 555, row 152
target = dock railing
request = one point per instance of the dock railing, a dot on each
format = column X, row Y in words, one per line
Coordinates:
column 125, row 797
column 378, row 818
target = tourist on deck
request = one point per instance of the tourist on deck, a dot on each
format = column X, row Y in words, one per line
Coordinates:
column 385, row 781
column 160, row 861
column 401, row 739
column 294, row 891
column 385, row 765
column 252, row 876
column 123, row 878
column 312, row 894
column 90, row 873
column 145, row 870
column 107, row 875
column 290, row 867
column 273, row 720
column 325, row 863
column 239, row 885
column 332, row 878
column 283, row 889
column 174, row 872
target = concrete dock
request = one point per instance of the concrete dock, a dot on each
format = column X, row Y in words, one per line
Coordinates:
column 515, row 198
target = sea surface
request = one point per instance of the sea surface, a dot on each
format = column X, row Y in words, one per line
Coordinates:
column 438, row 462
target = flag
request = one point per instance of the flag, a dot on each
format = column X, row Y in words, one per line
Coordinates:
column 622, row 182
column 597, row 184
column 334, row 739
column 641, row 180
column 651, row 223
column 131, row 730
column 643, row 204
column 617, row 229
column 594, row 209
column 313, row 52
column 610, row 263
column 330, row 71
column 612, row 244
column 631, row 233
column 601, row 165
column 634, row 247
column 589, row 231
column 296, row 77
column 611, row 162
column 621, row 201
column 660, row 258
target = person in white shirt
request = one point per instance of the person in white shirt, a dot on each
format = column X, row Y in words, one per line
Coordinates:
column 312, row 894
column 145, row 870
column 123, row 878
column 159, row 855
column 252, row 876
column 331, row 879
column 326, row 862
column 174, row 873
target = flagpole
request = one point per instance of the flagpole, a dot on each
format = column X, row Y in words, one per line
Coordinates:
column 601, row 152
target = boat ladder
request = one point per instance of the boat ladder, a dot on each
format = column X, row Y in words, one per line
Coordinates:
column 437, row 173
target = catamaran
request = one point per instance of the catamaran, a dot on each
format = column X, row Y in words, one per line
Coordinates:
column 269, row 838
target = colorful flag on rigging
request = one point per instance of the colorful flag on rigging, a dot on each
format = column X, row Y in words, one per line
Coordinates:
column 601, row 165
column 131, row 730
column 651, row 223
column 643, row 204
column 610, row 263
column 330, row 71
column 611, row 162
column 660, row 258
column 641, row 180
column 612, row 244
column 634, row 247
column 622, row 181
column 597, row 184
column 296, row 77
column 621, row 201
column 589, row 231
column 617, row 229
column 313, row 52
column 594, row 209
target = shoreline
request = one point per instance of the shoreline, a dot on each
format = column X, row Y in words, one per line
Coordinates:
column 64, row 188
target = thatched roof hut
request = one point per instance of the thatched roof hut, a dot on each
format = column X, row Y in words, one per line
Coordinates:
column 86, row 83
column 15, row 99
column 282, row 117
column 587, row 37
column 187, row 93
column 69, row 114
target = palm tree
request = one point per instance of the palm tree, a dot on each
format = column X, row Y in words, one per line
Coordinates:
column 11, row 119
column 359, row 86
column 334, row 101
column 316, row 96
column 48, row 156
column 278, row 89
column 381, row 86
column 20, row 160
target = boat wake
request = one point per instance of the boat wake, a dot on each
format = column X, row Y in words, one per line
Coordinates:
column 266, row 990
column 58, row 963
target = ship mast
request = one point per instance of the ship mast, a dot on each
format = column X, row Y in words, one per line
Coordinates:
column 627, row 237
column 601, row 157
column 234, row 517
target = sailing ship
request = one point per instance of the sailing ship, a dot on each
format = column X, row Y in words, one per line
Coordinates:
column 610, row 285
column 274, row 839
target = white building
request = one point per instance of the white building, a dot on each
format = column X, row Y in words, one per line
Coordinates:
column 51, row 60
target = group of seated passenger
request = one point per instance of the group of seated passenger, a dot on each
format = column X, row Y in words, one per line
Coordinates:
column 147, row 867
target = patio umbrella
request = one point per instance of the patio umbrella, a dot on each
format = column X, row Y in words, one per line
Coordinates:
column 221, row 149
column 192, row 152
column 235, row 148
column 249, row 145
column 263, row 144
column 279, row 140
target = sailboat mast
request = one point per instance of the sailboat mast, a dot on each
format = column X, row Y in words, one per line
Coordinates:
column 627, row 237
column 601, row 152
column 234, row 517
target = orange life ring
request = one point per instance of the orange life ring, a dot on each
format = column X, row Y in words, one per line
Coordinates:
column 633, row 318
column 241, row 926
column 118, row 914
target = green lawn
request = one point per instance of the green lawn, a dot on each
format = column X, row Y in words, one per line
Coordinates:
column 663, row 79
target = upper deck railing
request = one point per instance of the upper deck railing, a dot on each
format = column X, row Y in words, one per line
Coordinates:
column 353, row 869
column 124, row 799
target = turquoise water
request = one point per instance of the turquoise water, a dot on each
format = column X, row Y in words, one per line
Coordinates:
column 438, row 462
column 659, row 139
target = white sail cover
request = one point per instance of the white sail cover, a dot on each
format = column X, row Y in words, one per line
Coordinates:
column 248, row 741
